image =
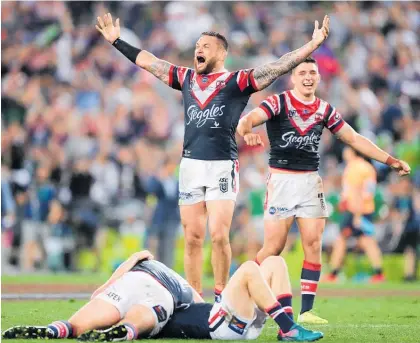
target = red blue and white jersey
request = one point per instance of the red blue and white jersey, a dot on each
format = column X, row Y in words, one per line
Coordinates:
column 213, row 104
column 294, row 129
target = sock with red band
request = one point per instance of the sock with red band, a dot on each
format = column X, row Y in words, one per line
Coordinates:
column 309, row 284
column 131, row 332
column 61, row 329
column 285, row 301
column 217, row 295
column 280, row 317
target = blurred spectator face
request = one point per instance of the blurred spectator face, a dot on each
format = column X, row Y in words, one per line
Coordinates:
column 305, row 78
column 56, row 212
column 82, row 165
column 43, row 173
column 208, row 52
column 405, row 186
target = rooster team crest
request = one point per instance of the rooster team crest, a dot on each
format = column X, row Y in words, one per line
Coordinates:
column 223, row 184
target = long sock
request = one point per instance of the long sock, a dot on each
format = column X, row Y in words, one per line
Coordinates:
column 280, row 317
column 309, row 284
column 217, row 295
column 285, row 301
column 131, row 332
column 61, row 329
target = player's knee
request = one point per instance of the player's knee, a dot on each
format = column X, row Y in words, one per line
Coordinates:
column 249, row 268
column 313, row 246
column 219, row 238
column 193, row 239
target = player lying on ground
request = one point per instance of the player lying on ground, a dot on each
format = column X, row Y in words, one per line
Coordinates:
column 214, row 100
column 140, row 296
column 295, row 120
column 251, row 294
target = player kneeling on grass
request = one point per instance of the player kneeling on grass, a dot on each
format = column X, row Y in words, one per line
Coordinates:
column 140, row 297
column 253, row 293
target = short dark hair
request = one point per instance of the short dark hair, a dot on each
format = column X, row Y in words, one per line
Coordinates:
column 308, row 59
column 219, row 36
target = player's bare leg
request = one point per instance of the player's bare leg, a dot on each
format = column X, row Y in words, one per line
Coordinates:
column 276, row 273
column 220, row 219
column 248, row 288
column 337, row 258
column 374, row 254
column 275, row 237
column 97, row 313
column 193, row 218
column 311, row 230
column 138, row 320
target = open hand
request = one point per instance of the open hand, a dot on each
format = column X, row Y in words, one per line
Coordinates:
column 321, row 34
column 107, row 28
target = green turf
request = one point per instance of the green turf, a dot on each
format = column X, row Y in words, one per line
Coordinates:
column 352, row 320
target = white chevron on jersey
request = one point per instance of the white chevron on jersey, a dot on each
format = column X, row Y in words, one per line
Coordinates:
column 303, row 126
column 203, row 97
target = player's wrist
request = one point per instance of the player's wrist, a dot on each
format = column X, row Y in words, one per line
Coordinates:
column 390, row 160
column 126, row 49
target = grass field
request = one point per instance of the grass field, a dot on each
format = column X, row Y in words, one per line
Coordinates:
column 359, row 317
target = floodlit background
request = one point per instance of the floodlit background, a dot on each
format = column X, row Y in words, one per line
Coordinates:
column 90, row 143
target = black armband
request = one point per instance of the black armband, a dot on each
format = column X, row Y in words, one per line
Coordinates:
column 126, row 49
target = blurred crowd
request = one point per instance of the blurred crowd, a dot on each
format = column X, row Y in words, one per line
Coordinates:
column 91, row 142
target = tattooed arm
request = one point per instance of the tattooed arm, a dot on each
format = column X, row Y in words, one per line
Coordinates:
column 265, row 75
column 154, row 65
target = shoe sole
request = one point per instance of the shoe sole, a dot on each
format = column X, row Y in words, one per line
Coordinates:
column 26, row 332
column 104, row 336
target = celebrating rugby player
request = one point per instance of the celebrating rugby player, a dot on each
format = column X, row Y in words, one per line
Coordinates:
column 214, row 99
column 295, row 120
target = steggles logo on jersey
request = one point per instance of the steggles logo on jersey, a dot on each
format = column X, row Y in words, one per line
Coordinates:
column 300, row 141
column 200, row 117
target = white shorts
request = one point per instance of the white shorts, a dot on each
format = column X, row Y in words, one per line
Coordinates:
column 224, row 324
column 139, row 288
column 298, row 194
column 201, row 180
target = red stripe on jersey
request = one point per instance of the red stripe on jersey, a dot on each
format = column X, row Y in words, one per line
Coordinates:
column 338, row 127
column 312, row 266
column 209, row 79
column 219, row 313
column 181, row 75
column 171, row 73
column 300, row 106
column 308, row 286
column 265, row 109
column 242, row 80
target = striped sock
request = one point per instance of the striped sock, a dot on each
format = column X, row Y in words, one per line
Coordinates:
column 285, row 301
column 217, row 295
column 131, row 332
column 309, row 284
column 280, row 317
column 61, row 329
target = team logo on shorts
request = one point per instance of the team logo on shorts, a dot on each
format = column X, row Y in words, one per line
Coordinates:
column 223, row 184
column 272, row 210
column 160, row 313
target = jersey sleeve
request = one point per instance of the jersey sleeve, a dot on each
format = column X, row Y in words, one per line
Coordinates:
column 245, row 81
column 334, row 121
column 177, row 76
column 271, row 106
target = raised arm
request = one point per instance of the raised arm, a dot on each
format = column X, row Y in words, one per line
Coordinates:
column 142, row 58
column 363, row 145
column 266, row 74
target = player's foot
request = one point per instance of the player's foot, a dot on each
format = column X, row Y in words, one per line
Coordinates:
column 27, row 332
column 113, row 334
column 378, row 278
column 329, row 278
column 310, row 318
column 299, row 334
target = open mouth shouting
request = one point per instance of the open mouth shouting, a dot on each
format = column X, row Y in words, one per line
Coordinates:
column 200, row 61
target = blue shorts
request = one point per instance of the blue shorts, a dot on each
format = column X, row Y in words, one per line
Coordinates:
column 366, row 228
